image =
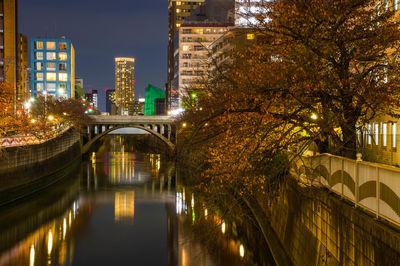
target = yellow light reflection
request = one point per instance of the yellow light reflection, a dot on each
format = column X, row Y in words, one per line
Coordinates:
column 64, row 227
column 192, row 203
column 69, row 218
column 223, row 228
column 205, row 212
column 124, row 206
column 241, row 251
column 32, row 256
column 50, row 242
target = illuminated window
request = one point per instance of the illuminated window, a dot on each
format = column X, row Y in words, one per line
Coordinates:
column 178, row 3
column 376, row 133
column 39, row 76
column 50, row 86
column 178, row 10
column 39, row 55
column 50, row 45
column 39, row 86
column 185, row 48
column 51, row 76
column 63, row 66
column 178, row 25
column 198, row 31
column 62, row 46
column 369, row 133
column 51, row 66
column 38, row 45
column 384, row 134
column 51, row 56
column 38, row 66
column 63, row 77
column 394, row 135
column 62, row 56
column 250, row 36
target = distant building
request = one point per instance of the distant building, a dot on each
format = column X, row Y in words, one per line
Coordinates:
column 124, row 84
column 89, row 98
column 178, row 11
column 52, row 67
column 23, row 88
column 13, row 50
column 153, row 93
column 92, row 98
column 79, row 88
column 95, row 99
column 111, row 108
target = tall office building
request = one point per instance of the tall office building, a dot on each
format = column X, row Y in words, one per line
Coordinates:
column 52, row 67
column 206, row 24
column 23, row 88
column 124, row 84
column 178, row 12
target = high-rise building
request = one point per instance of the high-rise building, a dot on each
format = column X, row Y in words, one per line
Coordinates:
column 52, row 67
column 206, row 24
column 23, row 91
column 178, row 12
column 8, row 41
column 124, row 84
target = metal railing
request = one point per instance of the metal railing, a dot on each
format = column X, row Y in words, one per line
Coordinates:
column 372, row 186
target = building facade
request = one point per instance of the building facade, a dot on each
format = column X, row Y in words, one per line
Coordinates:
column 111, row 108
column 23, row 77
column 178, row 11
column 52, row 63
column 124, row 84
column 191, row 58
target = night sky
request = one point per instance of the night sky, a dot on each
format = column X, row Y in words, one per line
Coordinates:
column 101, row 30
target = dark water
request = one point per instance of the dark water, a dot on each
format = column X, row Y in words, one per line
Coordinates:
column 120, row 207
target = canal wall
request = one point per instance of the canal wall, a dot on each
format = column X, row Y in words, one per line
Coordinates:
column 23, row 168
column 316, row 227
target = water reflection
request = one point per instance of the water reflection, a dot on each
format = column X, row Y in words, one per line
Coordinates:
column 124, row 208
column 122, row 205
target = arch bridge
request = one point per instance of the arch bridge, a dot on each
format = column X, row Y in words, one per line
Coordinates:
column 161, row 127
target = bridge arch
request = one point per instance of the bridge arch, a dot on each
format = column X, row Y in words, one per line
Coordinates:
column 86, row 146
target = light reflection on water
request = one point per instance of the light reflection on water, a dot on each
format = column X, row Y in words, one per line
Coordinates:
column 121, row 209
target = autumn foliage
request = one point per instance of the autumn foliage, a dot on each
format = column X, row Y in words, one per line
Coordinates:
column 316, row 72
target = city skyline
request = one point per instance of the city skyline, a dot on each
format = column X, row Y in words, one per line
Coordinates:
column 98, row 41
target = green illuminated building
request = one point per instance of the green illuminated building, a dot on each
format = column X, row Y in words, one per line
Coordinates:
column 155, row 101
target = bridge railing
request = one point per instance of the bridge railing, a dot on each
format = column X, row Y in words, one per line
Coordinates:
column 372, row 186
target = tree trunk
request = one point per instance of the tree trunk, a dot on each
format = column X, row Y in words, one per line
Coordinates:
column 349, row 146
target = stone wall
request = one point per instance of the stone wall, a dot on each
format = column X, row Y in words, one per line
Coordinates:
column 318, row 228
column 25, row 164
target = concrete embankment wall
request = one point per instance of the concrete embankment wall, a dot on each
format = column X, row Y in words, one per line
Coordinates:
column 26, row 165
column 316, row 227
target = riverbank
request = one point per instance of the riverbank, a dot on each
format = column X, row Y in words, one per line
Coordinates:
column 25, row 170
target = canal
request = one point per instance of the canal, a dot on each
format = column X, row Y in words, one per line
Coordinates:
column 125, row 207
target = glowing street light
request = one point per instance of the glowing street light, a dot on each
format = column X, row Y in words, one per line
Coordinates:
column 184, row 125
column 33, row 121
column 27, row 105
column 50, row 117
column 314, row 117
